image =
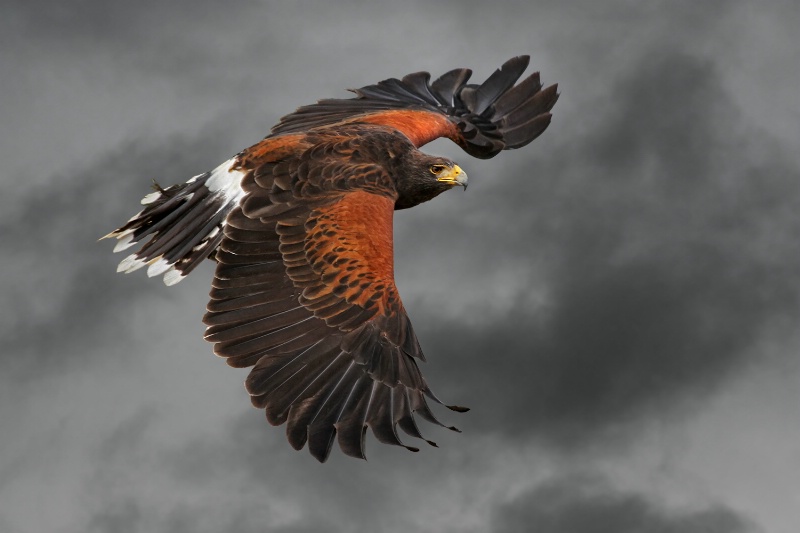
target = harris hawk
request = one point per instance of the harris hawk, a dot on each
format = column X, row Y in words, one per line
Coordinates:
column 300, row 225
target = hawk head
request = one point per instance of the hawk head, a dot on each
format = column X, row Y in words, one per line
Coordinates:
column 420, row 177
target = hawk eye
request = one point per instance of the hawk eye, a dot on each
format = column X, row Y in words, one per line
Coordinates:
column 437, row 169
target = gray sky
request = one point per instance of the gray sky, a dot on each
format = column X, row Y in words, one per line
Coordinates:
column 617, row 302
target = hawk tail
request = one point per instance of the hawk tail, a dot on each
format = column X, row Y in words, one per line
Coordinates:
column 180, row 225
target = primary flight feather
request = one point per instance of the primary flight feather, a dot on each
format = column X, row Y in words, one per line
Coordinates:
column 300, row 226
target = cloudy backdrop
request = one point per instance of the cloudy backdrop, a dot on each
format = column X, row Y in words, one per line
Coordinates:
column 617, row 302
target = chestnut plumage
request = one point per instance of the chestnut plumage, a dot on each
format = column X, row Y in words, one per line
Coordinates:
column 300, row 225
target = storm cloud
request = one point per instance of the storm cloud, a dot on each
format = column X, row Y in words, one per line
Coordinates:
column 587, row 504
column 616, row 302
column 664, row 255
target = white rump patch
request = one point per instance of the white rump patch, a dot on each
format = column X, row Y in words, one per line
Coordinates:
column 226, row 182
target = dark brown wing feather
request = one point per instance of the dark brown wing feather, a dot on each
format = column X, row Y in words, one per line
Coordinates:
column 483, row 119
column 183, row 224
column 304, row 293
column 304, row 288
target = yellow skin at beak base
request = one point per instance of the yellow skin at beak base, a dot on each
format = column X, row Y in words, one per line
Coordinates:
column 454, row 176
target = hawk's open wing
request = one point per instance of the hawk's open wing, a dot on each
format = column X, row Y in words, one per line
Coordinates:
column 483, row 119
column 304, row 292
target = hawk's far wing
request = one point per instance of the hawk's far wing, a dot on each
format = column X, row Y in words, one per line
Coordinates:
column 304, row 293
column 181, row 225
column 483, row 119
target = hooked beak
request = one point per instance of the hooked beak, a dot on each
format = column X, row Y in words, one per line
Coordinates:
column 454, row 176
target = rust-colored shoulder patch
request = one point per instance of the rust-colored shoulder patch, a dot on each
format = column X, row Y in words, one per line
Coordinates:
column 419, row 125
column 271, row 149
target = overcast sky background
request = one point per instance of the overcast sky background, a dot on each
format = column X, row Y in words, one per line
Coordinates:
column 617, row 302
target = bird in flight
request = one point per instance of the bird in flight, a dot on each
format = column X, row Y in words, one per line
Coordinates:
column 300, row 226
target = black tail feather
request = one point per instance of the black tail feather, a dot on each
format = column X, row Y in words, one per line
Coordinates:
column 179, row 226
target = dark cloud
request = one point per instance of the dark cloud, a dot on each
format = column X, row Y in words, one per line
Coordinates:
column 620, row 270
column 588, row 504
column 265, row 489
column 128, row 516
column 67, row 298
column 124, row 517
column 661, row 255
column 119, row 24
column 264, row 478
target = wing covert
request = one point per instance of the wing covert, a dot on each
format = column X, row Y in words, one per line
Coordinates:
column 304, row 293
column 300, row 225
column 483, row 119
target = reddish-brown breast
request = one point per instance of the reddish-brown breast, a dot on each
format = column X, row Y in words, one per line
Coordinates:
column 352, row 248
